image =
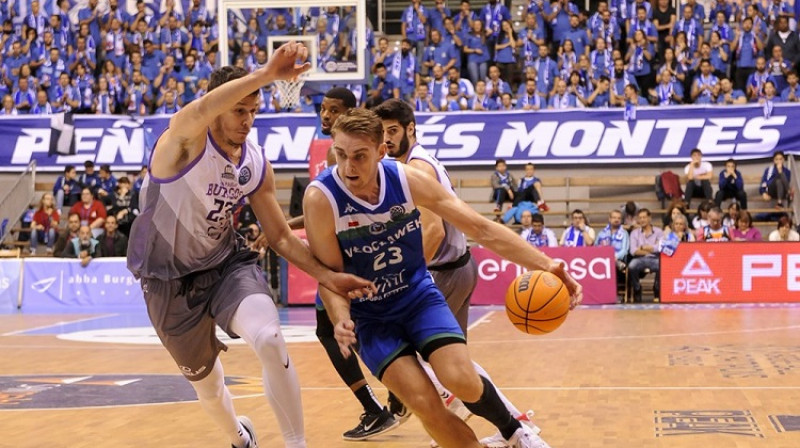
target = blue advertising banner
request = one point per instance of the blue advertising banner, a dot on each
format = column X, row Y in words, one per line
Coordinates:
column 10, row 271
column 658, row 134
column 55, row 283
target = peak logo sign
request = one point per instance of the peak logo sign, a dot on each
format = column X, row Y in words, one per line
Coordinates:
column 732, row 272
column 696, row 278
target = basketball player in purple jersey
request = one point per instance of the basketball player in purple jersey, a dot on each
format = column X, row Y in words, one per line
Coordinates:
column 196, row 273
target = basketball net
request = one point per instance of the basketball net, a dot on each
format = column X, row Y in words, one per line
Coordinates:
column 290, row 92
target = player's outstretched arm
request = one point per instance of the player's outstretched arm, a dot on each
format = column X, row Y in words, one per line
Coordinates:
column 321, row 233
column 496, row 237
column 432, row 225
column 187, row 128
column 284, row 242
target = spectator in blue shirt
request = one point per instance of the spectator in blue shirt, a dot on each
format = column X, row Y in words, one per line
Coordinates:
column 477, row 53
column 704, row 83
column 66, row 189
column 114, row 12
column 64, row 97
column 107, row 185
column 601, row 96
column 437, row 15
column 152, row 59
column 530, row 38
column 640, row 54
column 90, row 178
column 42, row 106
column 15, row 60
column 504, row 50
column 440, row 53
column 170, row 105
column 402, row 67
column 24, row 97
column 608, row 29
column 559, row 19
column 728, row 10
column 721, row 27
column 82, row 56
column 413, row 26
column 731, row 185
column 776, row 181
column 492, row 16
column 464, row 19
column 615, row 235
column 529, row 99
column 668, row 92
column 547, row 71
column 481, row 101
column 692, row 27
column 561, row 99
column 747, row 47
column 791, row 94
column 383, row 87
column 578, row 36
column 90, row 16
column 422, row 100
column 779, row 67
column 728, row 95
column 698, row 11
column 756, row 81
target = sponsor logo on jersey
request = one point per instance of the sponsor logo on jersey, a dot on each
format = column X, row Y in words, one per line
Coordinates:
column 376, row 228
column 397, row 212
column 245, row 175
column 228, row 173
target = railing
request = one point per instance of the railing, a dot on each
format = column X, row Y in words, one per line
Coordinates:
column 16, row 200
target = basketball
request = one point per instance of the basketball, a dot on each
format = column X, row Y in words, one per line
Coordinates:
column 537, row 302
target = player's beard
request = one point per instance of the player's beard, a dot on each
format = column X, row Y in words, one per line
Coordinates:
column 402, row 149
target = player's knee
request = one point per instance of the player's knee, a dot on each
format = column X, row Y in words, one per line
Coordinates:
column 427, row 407
column 462, row 381
column 268, row 337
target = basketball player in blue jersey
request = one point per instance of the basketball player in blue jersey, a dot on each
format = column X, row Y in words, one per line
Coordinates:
column 362, row 218
column 446, row 252
column 195, row 272
column 376, row 419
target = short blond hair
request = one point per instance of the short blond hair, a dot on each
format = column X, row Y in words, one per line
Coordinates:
column 360, row 122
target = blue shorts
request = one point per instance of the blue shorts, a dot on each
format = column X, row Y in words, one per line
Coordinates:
column 426, row 325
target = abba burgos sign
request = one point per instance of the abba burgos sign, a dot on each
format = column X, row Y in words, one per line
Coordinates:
column 593, row 267
column 732, row 272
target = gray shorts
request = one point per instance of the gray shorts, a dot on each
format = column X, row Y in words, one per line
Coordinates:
column 457, row 285
column 185, row 311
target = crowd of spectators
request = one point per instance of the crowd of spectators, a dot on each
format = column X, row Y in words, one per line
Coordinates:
column 99, row 208
column 477, row 56
column 638, row 242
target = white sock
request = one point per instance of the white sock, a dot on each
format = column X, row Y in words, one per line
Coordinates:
column 216, row 401
column 510, row 406
column 256, row 321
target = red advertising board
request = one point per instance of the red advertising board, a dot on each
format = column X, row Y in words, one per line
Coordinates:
column 593, row 267
column 732, row 272
column 318, row 157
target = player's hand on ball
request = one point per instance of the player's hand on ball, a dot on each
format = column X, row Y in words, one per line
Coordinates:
column 345, row 335
column 283, row 63
column 350, row 286
column 575, row 289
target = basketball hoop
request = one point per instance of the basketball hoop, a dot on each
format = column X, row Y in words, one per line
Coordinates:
column 289, row 92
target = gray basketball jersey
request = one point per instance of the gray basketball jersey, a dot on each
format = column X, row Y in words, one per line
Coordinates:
column 185, row 223
column 454, row 244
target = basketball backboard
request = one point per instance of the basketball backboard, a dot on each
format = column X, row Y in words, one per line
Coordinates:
column 341, row 24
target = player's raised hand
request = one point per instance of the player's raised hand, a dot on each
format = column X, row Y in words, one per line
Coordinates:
column 350, row 286
column 575, row 289
column 345, row 335
column 283, row 64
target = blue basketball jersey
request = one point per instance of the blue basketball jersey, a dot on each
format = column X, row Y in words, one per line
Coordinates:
column 380, row 242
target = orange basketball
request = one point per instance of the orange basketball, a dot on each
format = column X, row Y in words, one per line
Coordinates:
column 537, row 302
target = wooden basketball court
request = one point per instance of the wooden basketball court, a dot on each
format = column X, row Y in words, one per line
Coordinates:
column 659, row 376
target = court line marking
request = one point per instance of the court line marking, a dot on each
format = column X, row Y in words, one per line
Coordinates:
column 65, row 322
column 637, row 336
column 480, row 320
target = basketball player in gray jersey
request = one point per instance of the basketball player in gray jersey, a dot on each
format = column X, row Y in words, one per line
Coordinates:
column 446, row 252
column 195, row 273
